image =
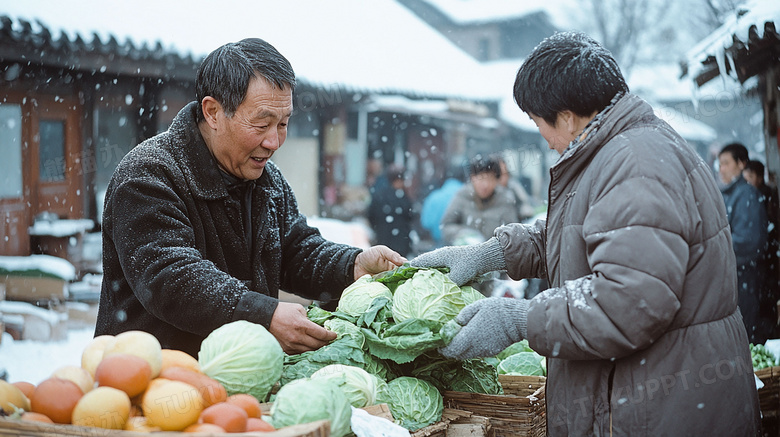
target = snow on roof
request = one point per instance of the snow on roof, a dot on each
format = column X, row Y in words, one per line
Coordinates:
column 52, row 265
column 662, row 82
column 377, row 45
column 475, row 11
column 755, row 13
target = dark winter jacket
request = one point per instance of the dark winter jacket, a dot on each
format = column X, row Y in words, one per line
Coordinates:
column 640, row 325
column 175, row 258
column 748, row 223
column 747, row 219
column 390, row 217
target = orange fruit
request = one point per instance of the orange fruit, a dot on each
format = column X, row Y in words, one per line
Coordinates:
column 12, row 397
column 125, row 372
column 26, row 388
column 205, row 427
column 103, row 407
column 249, row 403
column 35, row 417
column 171, row 405
column 177, row 358
column 138, row 423
column 231, row 418
column 212, row 391
column 257, row 424
column 56, row 398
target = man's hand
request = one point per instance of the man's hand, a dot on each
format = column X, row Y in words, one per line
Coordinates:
column 465, row 262
column 489, row 326
column 377, row 259
column 295, row 332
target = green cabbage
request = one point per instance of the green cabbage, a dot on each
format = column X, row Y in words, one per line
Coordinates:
column 520, row 346
column 474, row 376
column 359, row 386
column 470, row 295
column 414, row 403
column 345, row 350
column 428, row 295
column 344, row 328
column 356, row 299
column 244, row 357
column 522, row 363
column 308, row 400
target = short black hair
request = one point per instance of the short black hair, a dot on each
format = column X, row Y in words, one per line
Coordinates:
column 567, row 71
column 484, row 164
column 738, row 151
column 226, row 72
column 756, row 167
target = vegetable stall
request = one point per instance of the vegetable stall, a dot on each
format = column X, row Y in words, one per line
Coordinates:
column 384, row 361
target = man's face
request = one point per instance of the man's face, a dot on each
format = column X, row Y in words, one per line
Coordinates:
column 243, row 143
column 558, row 137
column 484, row 184
column 729, row 168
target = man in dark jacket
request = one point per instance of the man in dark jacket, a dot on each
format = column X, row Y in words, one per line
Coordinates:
column 748, row 222
column 200, row 228
column 390, row 212
column 640, row 324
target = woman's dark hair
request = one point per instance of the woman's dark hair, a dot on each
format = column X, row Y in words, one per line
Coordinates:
column 756, row 167
column 567, row 71
column 226, row 72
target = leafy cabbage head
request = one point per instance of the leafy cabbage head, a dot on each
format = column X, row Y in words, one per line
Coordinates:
column 357, row 298
column 343, row 328
column 522, row 363
column 308, row 400
column 359, row 386
column 414, row 403
column 428, row 295
column 244, row 357
column 470, row 295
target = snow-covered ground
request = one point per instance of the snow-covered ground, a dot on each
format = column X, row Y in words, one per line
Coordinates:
column 34, row 361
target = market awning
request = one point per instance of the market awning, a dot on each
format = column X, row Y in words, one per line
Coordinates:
column 746, row 45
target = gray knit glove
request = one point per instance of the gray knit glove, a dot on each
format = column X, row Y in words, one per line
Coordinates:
column 465, row 262
column 488, row 326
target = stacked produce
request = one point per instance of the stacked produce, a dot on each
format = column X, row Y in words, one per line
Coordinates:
column 762, row 357
column 128, row 382
column 391, row 326
column 389, row 329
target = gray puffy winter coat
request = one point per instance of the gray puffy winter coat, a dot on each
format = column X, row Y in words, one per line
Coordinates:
column 640, row 325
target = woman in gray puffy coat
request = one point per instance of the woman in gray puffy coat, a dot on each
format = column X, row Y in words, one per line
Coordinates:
column 640, row 326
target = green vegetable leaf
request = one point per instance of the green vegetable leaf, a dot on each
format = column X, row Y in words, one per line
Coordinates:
column 405, row 341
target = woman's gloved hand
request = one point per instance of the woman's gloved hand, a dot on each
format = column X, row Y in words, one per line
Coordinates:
column 488, row 327
column 465, row 262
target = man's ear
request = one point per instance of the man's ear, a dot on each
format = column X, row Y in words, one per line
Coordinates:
column 569, row 120
column 211, row 108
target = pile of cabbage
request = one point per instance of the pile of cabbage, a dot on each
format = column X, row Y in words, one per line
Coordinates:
column 389, row 327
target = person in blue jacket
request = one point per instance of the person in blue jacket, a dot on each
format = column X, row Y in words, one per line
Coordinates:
column 748, row 223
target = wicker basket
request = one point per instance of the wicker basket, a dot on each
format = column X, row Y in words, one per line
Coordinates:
column 520, row 411
column 9, row 427
column 769, row 399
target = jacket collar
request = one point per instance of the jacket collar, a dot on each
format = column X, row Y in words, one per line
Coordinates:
column 731, row 186
column 624, row 110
